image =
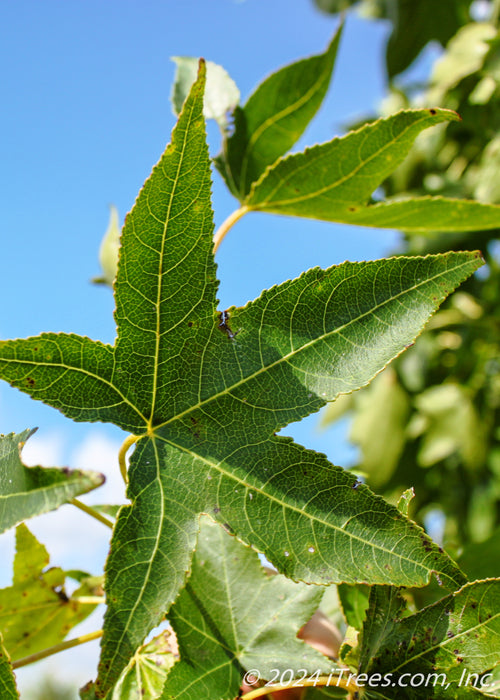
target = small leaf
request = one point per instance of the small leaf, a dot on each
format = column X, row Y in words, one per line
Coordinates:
column 385, row 605
column 453, row 638
column 405, row 499
column 232, row 618
column 274, row 117
column 8, row 689
column 354, row 602
column 37, row 593
column 221, row 92
column 147, row 671
column 29, row 491
column 108, row 252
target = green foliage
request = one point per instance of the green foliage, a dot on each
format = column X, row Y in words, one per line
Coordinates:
column 147, row 671
column 7, row 680
column 29, row 491
column 414, row 24
column 453, row 637
column 265, row 614
column 204, row 392
column 448, row 443
column 273, row 118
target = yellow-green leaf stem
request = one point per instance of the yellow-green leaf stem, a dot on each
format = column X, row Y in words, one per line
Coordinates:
column 69, row 644
column 225, row 227
column 127, row 444
column 90, row 511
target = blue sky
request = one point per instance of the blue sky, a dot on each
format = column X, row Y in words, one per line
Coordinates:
column 85, row 115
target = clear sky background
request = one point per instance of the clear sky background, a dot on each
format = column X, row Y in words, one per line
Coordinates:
column 85, row 115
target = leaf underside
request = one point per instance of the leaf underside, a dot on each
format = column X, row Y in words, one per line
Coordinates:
column 37, row 592
column 205, row 392
column 334, row 181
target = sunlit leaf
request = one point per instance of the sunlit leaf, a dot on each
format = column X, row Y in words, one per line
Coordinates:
column 334, row 181
column 35, row 612
column 145, row 675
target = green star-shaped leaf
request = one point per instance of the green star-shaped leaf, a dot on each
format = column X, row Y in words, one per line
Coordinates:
column 203, row 394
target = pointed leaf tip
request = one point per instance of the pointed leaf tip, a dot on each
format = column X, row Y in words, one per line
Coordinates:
column 29, row 491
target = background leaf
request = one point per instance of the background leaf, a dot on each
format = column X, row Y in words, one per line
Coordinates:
column 145, row 675
column 482, row 559
column 414, row 25
column 29, row 491
column 380, row 434
column 354, row 601
column 108, row 251
column 37, row 594
column 274, row 117
column 455, row 636
column 428, row 21
column 232, row 618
